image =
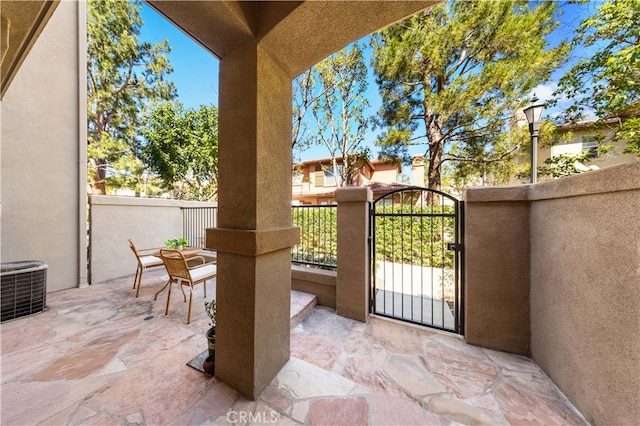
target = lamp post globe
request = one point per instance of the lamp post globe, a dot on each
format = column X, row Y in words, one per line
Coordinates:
column 533, row 113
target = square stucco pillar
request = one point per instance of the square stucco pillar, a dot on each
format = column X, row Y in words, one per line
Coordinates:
column 352, row 291
column 254, row 234
column 497, row 268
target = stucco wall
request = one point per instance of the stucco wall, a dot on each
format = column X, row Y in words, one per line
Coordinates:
column 555, row 267
column 497, row 269
column 148, row 222
column 43, row 198
column 585, row 290
column 320, row 282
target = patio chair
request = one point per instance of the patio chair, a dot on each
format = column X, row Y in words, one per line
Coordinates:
column 181, row 273
column 145, row 260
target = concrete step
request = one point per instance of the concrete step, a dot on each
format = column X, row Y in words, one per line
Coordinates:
column 301, row 305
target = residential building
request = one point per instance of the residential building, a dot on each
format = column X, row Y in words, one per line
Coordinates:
column 574, row 138
column 586, row 136
column 314, row 182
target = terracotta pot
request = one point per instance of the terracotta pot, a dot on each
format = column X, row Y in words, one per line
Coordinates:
column 209, row 365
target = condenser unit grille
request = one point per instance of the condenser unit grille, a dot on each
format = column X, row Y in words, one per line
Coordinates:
column 23, row 289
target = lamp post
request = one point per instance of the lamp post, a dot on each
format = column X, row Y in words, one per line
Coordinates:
column 533, row 113
column 145, row 179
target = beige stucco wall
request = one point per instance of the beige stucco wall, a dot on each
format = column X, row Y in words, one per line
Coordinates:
column 42, row 173
column 497, row 268
column 554, row 269
column 612, row 158
column 149, row 222
column 352, row 291
column 320, row 282
column 585, row 290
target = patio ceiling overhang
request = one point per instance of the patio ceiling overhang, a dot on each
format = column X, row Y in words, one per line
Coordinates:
column 20, row 22
column 295, row 34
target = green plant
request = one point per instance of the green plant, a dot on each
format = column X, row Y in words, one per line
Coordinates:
column 175, row 242
column 210, row 308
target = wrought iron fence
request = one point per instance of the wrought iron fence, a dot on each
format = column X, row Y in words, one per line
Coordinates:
column 416, row 257
column 318, row 245
column 318, row 232
column 195, row 221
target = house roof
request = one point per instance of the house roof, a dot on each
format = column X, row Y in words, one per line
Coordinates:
column 377, row 187
column 328, row 160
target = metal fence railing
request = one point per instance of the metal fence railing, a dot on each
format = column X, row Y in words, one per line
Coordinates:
column 318, row 232
column 318, row 245
column 195, row 221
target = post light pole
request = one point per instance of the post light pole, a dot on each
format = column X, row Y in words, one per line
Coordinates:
column 533, row 113
column 145, row 178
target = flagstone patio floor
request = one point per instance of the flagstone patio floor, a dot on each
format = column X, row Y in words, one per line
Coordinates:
column 100, row 356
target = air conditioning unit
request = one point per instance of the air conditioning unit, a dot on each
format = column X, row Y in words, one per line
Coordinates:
column 23, row 289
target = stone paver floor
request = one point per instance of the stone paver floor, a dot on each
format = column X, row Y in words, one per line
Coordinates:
column 100, row 356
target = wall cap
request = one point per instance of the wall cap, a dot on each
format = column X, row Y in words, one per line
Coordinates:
column 623, row 177
column 320, row 276
column 115, row 200
column 354, row 194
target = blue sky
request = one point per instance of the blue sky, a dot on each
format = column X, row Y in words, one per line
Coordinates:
column 196, row 70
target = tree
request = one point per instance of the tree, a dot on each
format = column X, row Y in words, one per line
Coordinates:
column 305, row 94
column 608, row 82
column 182, row 149
column 452, row 77
column 339, row 110
column 124, row 78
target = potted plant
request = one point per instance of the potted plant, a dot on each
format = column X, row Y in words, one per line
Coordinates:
column 208, row 364
column 176, row 243
column 210, row 309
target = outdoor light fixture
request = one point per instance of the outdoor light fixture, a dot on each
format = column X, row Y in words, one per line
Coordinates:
column 533, row 113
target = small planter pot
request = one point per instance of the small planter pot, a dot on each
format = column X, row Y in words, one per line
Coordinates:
column 211, row 341
column 209, row 365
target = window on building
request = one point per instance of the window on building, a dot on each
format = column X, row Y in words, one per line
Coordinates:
column 296, row 177
column 590, row 145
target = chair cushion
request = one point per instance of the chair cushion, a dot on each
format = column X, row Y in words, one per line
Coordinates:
column 150, row 261
column 208, row 271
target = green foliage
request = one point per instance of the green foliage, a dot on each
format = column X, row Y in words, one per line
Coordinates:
column 318, row 235
column 124, row 78
column 415, row 240
column 211, row 309
column 175, row 242
column 564, row 165
column 607, row 82
column 418, row 240
column 182, row 149
column 452, row 76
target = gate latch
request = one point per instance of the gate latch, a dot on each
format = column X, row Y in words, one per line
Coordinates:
column 454, row 246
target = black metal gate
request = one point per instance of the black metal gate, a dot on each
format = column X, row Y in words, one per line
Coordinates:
column 416, row 255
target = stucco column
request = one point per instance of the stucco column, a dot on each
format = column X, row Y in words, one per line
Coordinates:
column 352, row 292
column 254, row 234
column 497, row 268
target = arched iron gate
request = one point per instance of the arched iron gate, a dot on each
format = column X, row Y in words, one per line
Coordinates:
column 416, row 255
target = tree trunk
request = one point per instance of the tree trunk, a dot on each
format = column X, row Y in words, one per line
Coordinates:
column 436, row 146
column 97, row 175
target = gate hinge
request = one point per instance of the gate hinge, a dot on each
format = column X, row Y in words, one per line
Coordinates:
column 454, row 246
